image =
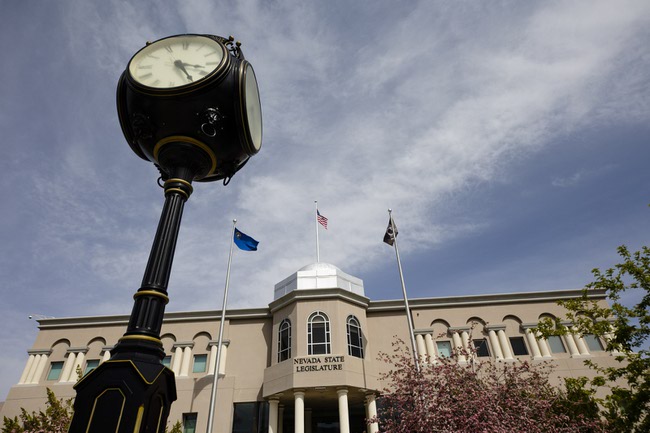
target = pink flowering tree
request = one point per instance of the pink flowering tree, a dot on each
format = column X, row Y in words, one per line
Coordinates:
column 479, row 396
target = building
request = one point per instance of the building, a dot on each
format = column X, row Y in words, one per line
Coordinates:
column 306, row 363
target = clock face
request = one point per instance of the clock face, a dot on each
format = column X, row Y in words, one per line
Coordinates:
column 177, row 61
column 252, row 108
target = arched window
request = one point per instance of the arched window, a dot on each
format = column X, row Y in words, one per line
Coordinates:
column 355, row 338
column 284, row 340
column 318, row 334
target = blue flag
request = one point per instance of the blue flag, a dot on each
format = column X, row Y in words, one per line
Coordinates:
column 245, row 242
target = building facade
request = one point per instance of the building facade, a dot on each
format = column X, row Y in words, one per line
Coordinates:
column 306, row 363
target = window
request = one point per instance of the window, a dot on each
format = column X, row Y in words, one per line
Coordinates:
column 518, row 346
column 250, row 417
column 556, row 344
column 91, row 364
column 355, row 338
column 444, row 349
column 189, row 423
column 284, row 340
column 55, row 371
column 481, row 347
column 318, row 334
column 200, row 362
column 167, row 361
column 593, row 343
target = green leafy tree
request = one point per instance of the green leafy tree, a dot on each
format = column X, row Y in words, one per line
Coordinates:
column 625, row 327
column 176, row 428
column 577, row 399
column 55, row 419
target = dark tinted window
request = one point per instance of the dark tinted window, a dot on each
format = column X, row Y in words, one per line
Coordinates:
column 355, row 341
column 481, row 347
column 518, row 346
column 284, row 341
column 318, row 334
column 189, row 423
column 250, row 417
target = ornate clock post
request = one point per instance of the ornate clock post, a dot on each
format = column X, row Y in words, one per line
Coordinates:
column 189, row 104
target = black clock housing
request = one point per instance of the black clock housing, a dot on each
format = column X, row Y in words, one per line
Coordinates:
column 209, row 128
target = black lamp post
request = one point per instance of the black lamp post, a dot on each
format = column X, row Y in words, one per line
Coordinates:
column 189, row 104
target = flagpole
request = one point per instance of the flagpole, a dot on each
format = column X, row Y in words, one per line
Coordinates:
column 406, row 301
column 317, row 245
column 215, row 373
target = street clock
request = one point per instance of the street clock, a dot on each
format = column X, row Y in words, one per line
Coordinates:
column 191, row 103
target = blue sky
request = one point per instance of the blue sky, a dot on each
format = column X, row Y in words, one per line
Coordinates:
column 511, row 140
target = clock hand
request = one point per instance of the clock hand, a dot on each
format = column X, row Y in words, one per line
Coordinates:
column 193, row 66
column 181, row 66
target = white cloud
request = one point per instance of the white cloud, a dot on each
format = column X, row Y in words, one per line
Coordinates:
column 414, row 120
column 564, row 182
column 403, row 120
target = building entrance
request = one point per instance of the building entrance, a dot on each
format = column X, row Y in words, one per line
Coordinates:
column 326, row 424
column 325, row 419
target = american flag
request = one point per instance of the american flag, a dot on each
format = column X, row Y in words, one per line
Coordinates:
column 321, row 219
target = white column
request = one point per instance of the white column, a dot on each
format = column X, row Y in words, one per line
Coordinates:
column 422, row 351
column 67, row 367
column 299, row 412
column 571, row 343
column 458, row 346
column 281, row 418
column 308, row 420
column 177, row 361
column 371, row 409
column 431, row 351
column 544, row 347
column 222, row 360
column 213, row 360
column 580, row 342
column 494, row 342
column 609, row 337
column 28, row 367
column 273, row 413
column 78, row 363
column 42, row 362
column 33, row 368
column 106, row 356
column 464, row 337
column 505, row 344
column 344, row 415
column 532, row 342
column 187, row 360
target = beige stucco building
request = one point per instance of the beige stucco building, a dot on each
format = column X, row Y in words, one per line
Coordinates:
column 307, row 362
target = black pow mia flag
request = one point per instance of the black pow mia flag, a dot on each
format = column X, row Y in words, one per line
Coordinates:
column 389, row 237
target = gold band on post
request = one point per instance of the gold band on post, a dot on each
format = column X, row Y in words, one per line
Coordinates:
column 187, row 140
column 141, row 337
column 182, row 181
column 151, row 293
column 177, row 190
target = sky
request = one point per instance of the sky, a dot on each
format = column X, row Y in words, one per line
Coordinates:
column 510, row 139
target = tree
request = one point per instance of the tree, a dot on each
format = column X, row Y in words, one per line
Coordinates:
column 176, row 428
column 55, row 419
column 479, row 396
column 625, row 329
